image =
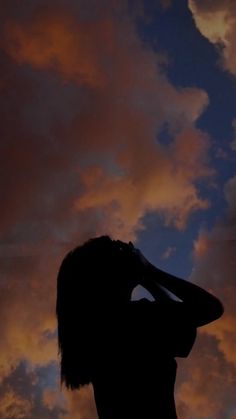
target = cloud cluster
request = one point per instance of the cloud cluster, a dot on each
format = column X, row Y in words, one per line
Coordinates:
column 94, row 136
column 216, row 267
column 206, row 387
column 123, row 102
column 27, row 310
column 212, row 366
column 80, row 404
column 216, row 21
column 60, row 44
column 12, row 406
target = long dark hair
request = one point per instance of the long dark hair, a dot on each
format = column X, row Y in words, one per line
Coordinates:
column 84, row 285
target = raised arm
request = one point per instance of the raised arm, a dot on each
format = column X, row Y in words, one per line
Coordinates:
column 202, row 306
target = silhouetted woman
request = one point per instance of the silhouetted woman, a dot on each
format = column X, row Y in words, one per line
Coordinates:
column 125, row 348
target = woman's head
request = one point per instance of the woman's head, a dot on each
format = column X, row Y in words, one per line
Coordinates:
column 101, row 268
column 99, row 274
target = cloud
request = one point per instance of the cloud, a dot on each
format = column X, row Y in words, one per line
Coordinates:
column 85, row 105
column 80, row 404
column 12, row 406
column 128, row 198
column 53, row 398
column 58, row 43
column 217, row 268
column 118, row 113
column 70, row 404
column 27, row 307
column 208, row 383
column 168, row 252
column 216, row 21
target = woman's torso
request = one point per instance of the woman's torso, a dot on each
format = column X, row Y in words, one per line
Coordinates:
column 134, row 367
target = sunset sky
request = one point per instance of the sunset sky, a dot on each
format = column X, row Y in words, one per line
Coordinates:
column 117, row 117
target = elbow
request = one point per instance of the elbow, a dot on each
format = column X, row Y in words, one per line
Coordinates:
column 218, row 309
column 213, row 312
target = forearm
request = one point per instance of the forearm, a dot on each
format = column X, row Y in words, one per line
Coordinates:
column 203, row 306
column 154, row 288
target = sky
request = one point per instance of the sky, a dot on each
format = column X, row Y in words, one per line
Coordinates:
column 117, row 117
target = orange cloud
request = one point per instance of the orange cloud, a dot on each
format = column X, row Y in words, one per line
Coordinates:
column 80, row 404
column 85, row 106
column 216, row 267
column 167, row 187
column 13, row 406
column 207, row 383
column 201, row 246
column 216, row 21
column 59, row 43
column 123, row 118
column 27, row 307
column 53, row 398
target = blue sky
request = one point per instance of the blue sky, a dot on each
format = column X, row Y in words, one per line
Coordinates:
column 191, row 60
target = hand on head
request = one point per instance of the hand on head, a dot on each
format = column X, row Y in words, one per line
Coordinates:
column 134, row 253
